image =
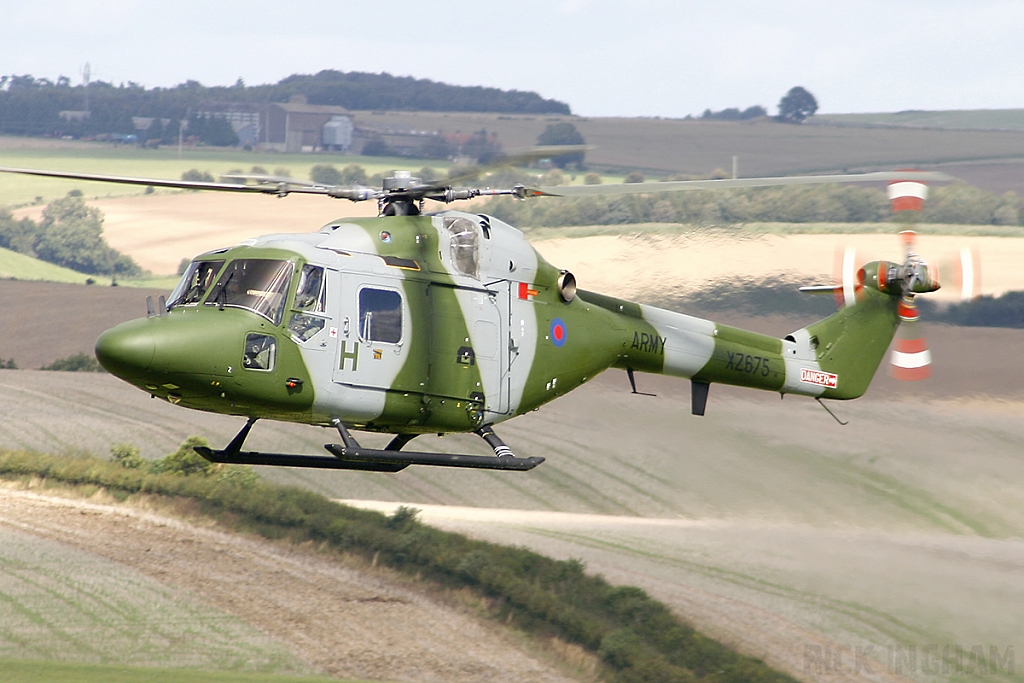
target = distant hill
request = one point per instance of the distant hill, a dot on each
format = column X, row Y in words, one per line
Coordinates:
column 975, row 119
column 33, row 106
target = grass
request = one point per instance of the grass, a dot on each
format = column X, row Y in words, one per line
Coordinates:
column 21, row 267
column 21, row 671
column 15, row 266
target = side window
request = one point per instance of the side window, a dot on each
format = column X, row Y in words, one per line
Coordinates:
column 309, row 298
column 380, row 315
column 260, row 352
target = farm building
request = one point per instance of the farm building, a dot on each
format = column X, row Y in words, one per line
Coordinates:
column 294, row 126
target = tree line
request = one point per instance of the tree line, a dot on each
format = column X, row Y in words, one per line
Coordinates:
column 952, row 204
column 32, row 106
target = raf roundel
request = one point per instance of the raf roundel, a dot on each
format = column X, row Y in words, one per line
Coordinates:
column 557, row 332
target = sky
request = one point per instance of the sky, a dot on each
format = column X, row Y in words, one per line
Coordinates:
column 602, row 57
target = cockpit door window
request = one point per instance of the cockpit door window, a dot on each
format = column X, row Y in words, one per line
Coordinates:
column 310, row 294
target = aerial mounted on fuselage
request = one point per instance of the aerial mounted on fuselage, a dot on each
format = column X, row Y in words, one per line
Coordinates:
column 413, row 323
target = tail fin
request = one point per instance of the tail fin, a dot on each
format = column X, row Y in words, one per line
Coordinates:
column 851, row 343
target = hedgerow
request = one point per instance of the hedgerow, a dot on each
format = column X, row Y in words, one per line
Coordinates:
column 635, row 637
column 951, row 204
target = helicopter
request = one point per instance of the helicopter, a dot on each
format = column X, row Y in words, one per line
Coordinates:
column 413, row 323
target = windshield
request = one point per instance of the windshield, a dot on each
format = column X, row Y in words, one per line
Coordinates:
column 259, row 285
column 195, row 283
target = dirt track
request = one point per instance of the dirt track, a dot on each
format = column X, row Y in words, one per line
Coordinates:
column 341, row 621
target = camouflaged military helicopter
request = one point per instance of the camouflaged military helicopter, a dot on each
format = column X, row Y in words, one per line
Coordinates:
column 414, row 323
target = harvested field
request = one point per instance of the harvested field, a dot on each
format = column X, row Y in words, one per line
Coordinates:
column 644, row 266
column 789, row 592
column 287, row 609
column 64, row 603
column 698, row 147
column 765, row 523
column 158, row 231
column 43, row 321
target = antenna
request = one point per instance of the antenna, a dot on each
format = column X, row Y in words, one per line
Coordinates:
column 86, row 72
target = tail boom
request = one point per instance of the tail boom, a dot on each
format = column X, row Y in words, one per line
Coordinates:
column 836, row 357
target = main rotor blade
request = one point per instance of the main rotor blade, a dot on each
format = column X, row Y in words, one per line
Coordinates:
column 279, row 189
column 731, row 183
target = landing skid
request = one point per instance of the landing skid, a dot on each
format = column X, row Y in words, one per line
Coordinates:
column 349, row 455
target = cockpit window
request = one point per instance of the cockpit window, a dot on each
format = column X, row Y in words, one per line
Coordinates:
column 195, row 283
column 465, row 245
column 259, row 285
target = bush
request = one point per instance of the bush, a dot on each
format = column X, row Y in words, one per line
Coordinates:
column 354, row 174
column 325, row 174
column 195, row 175
column 185, row 461
column 126, row 455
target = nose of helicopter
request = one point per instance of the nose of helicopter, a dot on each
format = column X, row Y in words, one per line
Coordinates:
column 126, row 350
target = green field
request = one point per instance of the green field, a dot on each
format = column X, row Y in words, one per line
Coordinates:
column 18, row 671
column 21, row 267
column 15, row 266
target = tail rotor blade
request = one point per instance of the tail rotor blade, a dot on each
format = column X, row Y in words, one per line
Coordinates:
column 847, row 286
column 907, row 195
column 967, row 274
column 909, row 240
column 910, row 359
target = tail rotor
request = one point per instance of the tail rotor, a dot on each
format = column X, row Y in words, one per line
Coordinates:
column 910, row 358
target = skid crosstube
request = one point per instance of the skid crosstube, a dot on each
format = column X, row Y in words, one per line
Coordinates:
column 385, row 457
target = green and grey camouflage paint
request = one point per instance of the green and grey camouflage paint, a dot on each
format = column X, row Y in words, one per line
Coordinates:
column 485, row 334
